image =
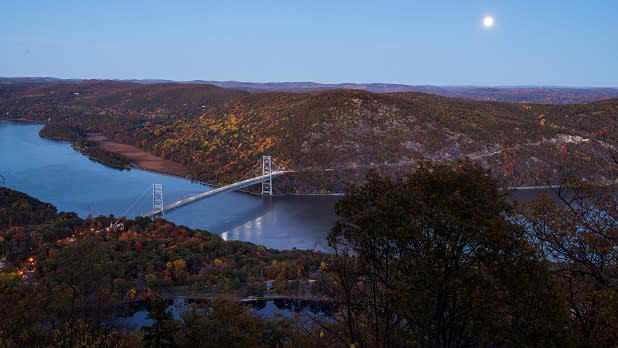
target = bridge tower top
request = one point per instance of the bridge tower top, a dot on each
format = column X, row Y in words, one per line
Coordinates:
column 157, row 199
column 267, row 183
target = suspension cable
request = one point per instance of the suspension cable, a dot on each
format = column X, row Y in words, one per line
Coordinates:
column 131, row 206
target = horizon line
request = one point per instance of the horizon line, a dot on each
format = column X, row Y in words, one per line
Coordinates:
column 163, row 80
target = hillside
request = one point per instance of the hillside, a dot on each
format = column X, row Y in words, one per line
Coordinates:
column 17, row 208
column 58, row 269
column 330, row 138
column 333, row 137
column 61, row 99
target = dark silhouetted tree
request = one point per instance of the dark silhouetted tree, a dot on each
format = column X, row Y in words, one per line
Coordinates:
column 434, row 260
column 161, row 333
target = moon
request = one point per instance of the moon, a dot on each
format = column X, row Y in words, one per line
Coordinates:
column 488, row 21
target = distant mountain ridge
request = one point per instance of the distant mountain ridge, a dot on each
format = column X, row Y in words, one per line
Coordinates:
column 515, row 94
column 523, row 94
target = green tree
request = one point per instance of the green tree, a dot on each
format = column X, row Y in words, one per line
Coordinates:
column 433, row 260
column 161, row 333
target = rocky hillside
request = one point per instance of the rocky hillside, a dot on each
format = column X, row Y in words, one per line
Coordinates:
column 333, row 137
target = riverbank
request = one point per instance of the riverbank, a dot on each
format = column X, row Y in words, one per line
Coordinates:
column 303, row 292
column 97, row 154
column 139, row 158
column 148, row 161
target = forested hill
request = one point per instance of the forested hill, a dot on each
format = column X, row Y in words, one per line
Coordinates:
column 109, row 98
column 333, row 137
column 69, row 282
column 19, row 209
column 330, row 138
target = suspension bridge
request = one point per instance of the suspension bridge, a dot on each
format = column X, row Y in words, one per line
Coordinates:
column 159, row 208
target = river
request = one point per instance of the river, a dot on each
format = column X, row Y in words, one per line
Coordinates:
column 53, row 172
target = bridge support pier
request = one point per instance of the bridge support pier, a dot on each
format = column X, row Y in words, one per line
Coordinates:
column 267, row 183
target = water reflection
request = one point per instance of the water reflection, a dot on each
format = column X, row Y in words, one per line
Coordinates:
column 136, row 318
column 291, row 307
column 252, row 228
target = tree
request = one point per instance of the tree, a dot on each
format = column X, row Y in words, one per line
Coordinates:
column 578, row 234
column 433, row 260
column 161, row 333
column 221, row 324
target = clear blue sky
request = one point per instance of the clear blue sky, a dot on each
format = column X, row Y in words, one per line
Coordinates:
column 441, row 42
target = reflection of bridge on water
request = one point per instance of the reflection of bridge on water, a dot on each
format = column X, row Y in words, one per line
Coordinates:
column 265, row 179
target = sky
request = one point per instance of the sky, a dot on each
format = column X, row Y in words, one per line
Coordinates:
column 440, row 42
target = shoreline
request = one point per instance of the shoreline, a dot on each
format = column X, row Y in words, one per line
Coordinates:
column 140, row 158
column 147, row 161
column 137, row 157
column 537, row 187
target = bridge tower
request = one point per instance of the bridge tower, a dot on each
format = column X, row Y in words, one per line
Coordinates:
column 267, row 183
column 157, row 198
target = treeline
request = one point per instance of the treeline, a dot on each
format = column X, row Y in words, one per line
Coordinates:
column 62, row 131
column 95, row 153
column 79, row 141
column 19, row 209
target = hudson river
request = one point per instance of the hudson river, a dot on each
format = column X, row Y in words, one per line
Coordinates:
column 53, row 172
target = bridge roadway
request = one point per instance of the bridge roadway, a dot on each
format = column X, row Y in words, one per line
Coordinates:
column 231, row 187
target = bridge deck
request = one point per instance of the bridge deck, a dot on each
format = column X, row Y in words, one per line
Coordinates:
column 200, row 196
